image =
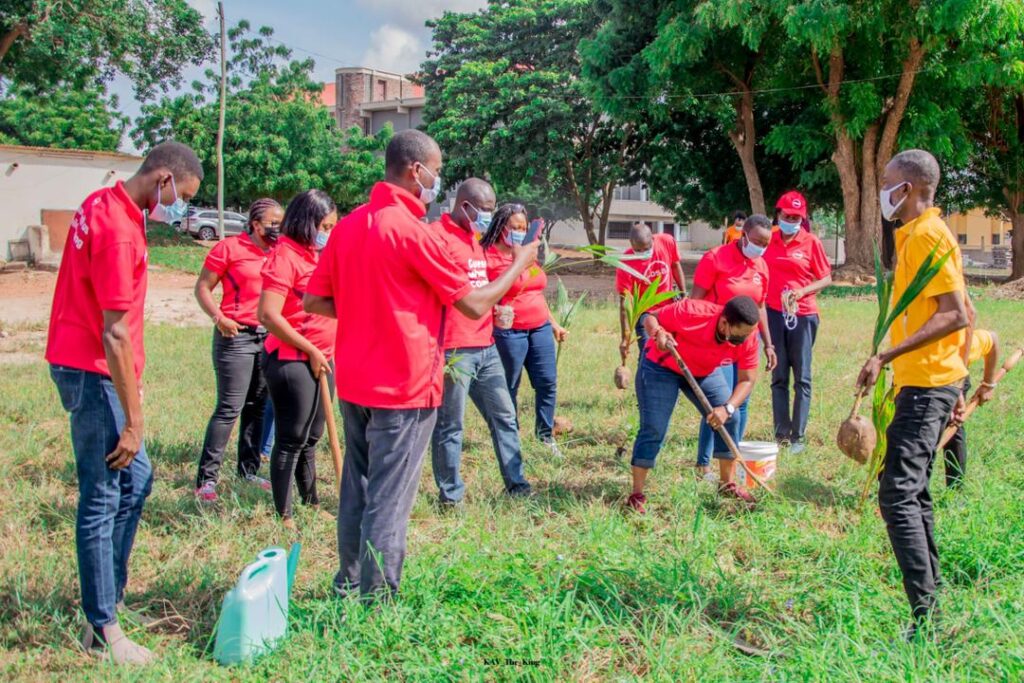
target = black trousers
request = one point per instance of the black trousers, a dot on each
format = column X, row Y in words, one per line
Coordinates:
column 794, row 349
column 921, row 415
column 299, row 424
column 955, row 453
column 241, row 392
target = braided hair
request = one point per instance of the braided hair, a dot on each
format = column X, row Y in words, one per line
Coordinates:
column 499, row 221
column 258, row 210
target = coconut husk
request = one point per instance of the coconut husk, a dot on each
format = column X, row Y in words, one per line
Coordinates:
column 563, row 425
column 622, row 377
column 857, row 436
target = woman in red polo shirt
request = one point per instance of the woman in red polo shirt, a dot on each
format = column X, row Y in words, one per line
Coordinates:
column 235, row 263
column 524, row 329
column 800, row 269
column 298, row 350
column 728, row 271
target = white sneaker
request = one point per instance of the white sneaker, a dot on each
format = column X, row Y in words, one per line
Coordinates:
column 555, row 450
column 258, row 481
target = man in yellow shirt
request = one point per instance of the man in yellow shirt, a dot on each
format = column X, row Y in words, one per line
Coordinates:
column 928, row 366
column 984, row 344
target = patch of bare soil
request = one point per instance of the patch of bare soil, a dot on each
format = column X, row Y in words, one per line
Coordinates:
column 1014, row 290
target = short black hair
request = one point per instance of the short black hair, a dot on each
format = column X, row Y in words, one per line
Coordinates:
column 640, row 233
column 758, row 220
column 741, row 310
column 739, row 216
column 499, row 221
column 407, row 147
column 177, row 158
column 303, row 216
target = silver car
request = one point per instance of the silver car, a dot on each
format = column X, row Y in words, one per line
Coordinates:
column 203, row 224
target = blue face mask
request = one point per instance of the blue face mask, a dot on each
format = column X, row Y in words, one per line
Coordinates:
column 789, row 229
column 429, row 194
column 751, row 250
column 483, row 218
column 321, row 240
column 172, row 213
column 513, row 238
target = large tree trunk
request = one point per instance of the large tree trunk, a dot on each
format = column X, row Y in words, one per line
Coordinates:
column 7, row 40
column 744, row 138
column 1017, row 244
column 582, row 205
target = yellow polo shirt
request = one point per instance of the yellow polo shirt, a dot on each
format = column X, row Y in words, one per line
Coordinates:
column 981, row 346
column 941, row 362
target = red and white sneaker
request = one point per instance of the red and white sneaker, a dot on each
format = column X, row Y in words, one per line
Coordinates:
column 734, row 490
column 207, row 493
column 635, row 502
column 258, row 481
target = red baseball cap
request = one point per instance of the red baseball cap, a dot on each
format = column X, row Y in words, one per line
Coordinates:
column 792, row 203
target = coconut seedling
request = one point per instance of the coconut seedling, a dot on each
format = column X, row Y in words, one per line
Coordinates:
column 565, row 311
column 636, row 303
column 858, row 436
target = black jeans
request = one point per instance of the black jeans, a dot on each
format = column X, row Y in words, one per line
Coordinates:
column 955, row 453
column 241, row 391
column 793, row 347
column 906, row 504
column 299, row 424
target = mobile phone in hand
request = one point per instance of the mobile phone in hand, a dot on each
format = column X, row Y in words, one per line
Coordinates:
column 535, row 227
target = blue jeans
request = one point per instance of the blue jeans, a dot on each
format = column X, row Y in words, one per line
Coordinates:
column 794, row 349
column 657, row 391
column 704, row 437
column 534, row 350
column 481, row 376
column 267, row 438
column 109, row 501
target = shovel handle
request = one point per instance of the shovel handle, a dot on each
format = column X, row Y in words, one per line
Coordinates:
column 706, row 408
column 332, row 427
column 973, row 404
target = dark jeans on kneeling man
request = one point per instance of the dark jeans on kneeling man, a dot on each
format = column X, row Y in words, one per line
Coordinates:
column 921, row 415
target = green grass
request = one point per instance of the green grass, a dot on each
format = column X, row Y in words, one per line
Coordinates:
column 567, row 585
column 174, row 250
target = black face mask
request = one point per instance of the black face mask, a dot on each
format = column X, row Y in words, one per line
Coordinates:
column 731, row 339
column 270, row 234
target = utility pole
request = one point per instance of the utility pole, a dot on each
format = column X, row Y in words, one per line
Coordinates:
column 220, row 123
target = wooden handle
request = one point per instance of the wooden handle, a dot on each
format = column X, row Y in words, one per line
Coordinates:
column 973, row 404
column 332, row 427
column 706, row 407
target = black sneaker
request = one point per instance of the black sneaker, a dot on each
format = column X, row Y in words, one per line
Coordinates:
column 521, row 491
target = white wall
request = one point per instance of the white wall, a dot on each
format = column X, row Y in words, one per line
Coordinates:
column 51, row 179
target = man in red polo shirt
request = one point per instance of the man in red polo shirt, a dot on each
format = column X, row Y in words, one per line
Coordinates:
column 96, row 358
column 653, row 256
column 392, row 280
column 475, row 367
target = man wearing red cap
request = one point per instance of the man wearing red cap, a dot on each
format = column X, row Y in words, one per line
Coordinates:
column 799, row 270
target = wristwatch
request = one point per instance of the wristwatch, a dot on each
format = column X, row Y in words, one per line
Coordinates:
column 729, row 409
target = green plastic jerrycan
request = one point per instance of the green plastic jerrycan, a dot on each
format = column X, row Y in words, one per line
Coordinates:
column 254, row 616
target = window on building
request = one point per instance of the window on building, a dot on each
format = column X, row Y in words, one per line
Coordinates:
column 619, row 230
column 961, row 238
column 382, row 90
column 669, row 229
column 996, row 239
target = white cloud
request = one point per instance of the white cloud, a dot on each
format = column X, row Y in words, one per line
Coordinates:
column 392, row 48
column 412, row 14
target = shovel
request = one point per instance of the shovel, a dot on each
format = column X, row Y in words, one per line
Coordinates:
column 706, row 410
column 332, row 427
column 973, row 404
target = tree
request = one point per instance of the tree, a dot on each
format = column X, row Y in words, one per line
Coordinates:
column 64, row 117
column 506, row 101
column 79, row 42
column 865, row 58
column 279, row 140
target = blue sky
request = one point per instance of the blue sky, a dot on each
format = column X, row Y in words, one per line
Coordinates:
column 384, row 34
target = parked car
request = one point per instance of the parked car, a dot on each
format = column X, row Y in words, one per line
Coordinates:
column 192, row 211
column 203, row 225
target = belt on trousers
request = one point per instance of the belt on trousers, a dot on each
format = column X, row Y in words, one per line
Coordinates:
column 252, row 329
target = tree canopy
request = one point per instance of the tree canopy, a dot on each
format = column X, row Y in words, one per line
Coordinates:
column 65, row 117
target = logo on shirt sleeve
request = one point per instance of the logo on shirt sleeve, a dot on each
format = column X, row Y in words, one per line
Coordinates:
column 79, row 229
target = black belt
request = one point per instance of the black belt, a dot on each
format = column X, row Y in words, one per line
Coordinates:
column 251, row 329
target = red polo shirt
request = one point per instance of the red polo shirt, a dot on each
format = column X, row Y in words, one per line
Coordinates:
column 726, row 273
column 659, row 265
column 526, row 295
column 238, row 262
column 692, row 324
column 793, row 266
column 287, row 273
column 103, row 268
column 461, row 332
column 393, row 279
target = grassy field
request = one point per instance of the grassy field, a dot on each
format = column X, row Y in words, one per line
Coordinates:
column 173, row 250
column 562, row 587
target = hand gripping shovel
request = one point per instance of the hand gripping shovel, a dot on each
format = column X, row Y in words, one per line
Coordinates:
column 973, row 404
column 332, row 427
column 706, row 408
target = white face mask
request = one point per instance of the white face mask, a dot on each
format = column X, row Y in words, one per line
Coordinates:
column 885, row 199
column 429, row 194
column 643, row 255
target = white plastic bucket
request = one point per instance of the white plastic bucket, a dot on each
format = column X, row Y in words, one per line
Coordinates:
column 761, row 457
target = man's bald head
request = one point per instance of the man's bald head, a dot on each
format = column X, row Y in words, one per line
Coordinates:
column 640, row 237
column 477, row 192
column 917, row 167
